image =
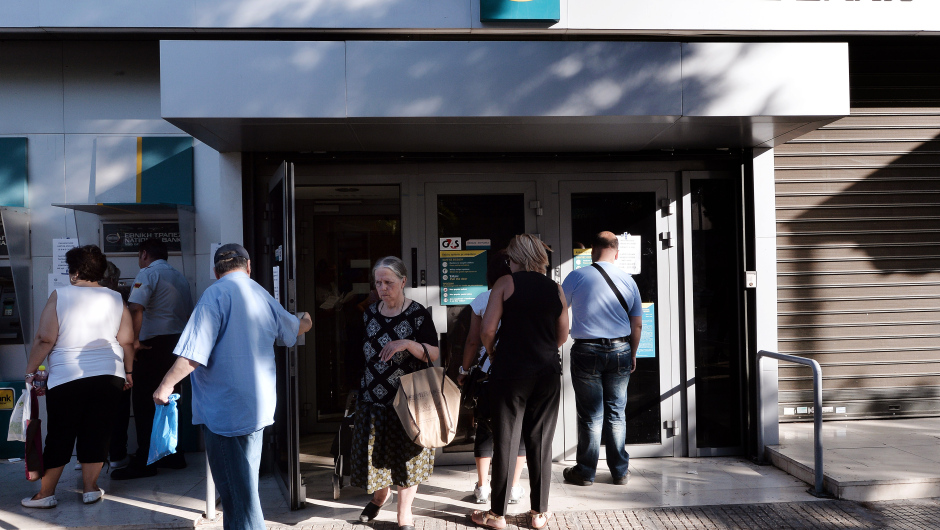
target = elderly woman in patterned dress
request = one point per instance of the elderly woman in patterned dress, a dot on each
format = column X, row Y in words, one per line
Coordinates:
column 400, row 339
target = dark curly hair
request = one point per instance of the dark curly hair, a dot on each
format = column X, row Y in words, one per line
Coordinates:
column 87, row 262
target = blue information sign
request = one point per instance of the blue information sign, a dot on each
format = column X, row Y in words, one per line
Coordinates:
column 463, row 275
column 647, row 347
column 582, row 258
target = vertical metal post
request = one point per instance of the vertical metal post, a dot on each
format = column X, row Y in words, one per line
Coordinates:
column 817, row 425
column 817, row 414
column 210, row 492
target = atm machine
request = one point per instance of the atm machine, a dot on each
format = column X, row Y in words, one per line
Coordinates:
column 11, row 332
column 12, row 348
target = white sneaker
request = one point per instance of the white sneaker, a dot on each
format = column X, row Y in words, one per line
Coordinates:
column 482, row 493
column 515, row 494
column 92, row 496
column 45, row 502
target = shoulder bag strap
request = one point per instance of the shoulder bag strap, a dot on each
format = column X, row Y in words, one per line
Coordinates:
column 612, row 287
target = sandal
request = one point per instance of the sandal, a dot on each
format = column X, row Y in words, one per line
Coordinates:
column 534, row 517
column 371, row 510
column 488, row 519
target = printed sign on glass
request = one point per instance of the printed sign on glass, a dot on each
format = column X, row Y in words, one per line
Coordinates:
column 463, row 275
column 451, row 243
column 628, row 258
column 647, row 346
column 581, row 258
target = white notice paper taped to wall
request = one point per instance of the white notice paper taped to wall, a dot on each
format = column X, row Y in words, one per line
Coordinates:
column 59, row 248
column 629, row 258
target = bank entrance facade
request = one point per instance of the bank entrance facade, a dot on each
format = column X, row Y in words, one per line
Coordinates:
column 694, row 391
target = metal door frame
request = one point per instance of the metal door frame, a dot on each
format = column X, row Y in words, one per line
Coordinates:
column 292, row 484
column 663, row 184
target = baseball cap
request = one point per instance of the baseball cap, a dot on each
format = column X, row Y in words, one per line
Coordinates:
column 230, row 251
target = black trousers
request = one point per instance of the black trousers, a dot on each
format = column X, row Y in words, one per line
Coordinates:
column 525, row 409
column 149, row 368
column 82, row 409
column 122, row 413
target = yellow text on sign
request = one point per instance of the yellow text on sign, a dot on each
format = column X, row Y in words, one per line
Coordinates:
column 7, row 398
column 461, row 253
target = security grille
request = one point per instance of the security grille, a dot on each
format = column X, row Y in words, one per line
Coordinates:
column 858, row 246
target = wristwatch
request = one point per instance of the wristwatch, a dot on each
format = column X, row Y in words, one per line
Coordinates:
column 463, row 371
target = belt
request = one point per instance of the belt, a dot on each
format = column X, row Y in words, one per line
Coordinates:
column 603, row 342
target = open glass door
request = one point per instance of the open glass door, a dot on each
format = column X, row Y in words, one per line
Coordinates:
column 286, row 418
column 643, row 210
column 467, row 222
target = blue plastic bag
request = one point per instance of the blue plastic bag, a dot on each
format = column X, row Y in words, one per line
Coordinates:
column 165, row 430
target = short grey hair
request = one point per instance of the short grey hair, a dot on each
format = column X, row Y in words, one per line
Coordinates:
column 111, row 274
column 392, row 263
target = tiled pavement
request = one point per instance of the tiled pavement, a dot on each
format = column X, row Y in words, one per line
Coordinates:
column 821, row 515
column 663, row 493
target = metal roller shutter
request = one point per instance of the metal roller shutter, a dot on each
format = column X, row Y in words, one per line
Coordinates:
column 858, row 245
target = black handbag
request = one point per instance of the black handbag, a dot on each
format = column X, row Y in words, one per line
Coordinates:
column 476, row 393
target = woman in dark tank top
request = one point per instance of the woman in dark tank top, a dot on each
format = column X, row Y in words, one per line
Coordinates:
column 528, row 309
column 528, row 334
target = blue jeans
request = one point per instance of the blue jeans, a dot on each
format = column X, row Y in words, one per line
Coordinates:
column 599, row 375
column 235, row 462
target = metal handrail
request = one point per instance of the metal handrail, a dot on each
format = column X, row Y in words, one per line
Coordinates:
column 817, row 414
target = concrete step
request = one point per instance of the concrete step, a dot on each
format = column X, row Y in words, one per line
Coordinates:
column 866, row 460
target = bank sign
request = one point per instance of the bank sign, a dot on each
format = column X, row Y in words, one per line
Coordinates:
column 125, row 237
column 520, row 10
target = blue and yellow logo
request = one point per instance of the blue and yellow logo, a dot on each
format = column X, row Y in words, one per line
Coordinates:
column 520, row 10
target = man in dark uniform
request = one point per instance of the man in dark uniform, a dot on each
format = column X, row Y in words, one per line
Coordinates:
column 160, row 304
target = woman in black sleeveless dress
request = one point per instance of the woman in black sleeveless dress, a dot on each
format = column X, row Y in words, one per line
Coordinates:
column 528, row 308
column 399, row 339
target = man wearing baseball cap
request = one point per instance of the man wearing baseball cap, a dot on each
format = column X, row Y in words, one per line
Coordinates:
column 228, row 347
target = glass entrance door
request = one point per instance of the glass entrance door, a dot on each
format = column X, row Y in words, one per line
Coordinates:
column 641, row 210
column 714, row 316
column 284, row 289
column 342, row 231
column 466, row 225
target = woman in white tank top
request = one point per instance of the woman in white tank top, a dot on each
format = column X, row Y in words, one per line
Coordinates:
column 86, row 338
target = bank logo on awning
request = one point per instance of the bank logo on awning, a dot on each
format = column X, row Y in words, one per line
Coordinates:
column 520, row 10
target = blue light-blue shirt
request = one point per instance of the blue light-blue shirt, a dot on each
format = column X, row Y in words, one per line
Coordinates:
column 596, row 313
column 231, row 334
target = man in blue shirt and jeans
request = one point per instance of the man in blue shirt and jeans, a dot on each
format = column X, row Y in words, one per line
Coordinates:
column 606, row 335
column 228, row 346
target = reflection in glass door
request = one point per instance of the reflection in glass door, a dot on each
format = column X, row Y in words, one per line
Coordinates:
column 342, row 231
column 483, row 223
column 633, row 208
column 714, row 318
